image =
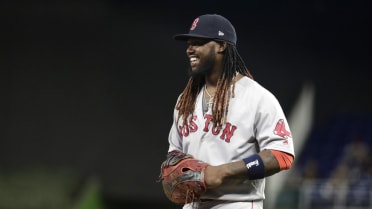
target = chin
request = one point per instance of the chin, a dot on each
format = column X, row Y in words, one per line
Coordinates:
column 197, row 72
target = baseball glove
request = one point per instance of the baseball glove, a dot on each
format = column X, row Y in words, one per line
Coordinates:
column 182, row 177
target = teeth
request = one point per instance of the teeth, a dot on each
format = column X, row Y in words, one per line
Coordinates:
column 193, row 59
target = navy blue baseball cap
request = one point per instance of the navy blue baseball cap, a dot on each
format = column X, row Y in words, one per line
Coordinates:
column 211, row 26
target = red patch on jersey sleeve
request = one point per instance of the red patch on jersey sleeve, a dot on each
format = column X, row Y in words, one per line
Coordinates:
column 280, row 129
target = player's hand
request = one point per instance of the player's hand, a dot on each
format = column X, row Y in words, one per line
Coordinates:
column 213, row 176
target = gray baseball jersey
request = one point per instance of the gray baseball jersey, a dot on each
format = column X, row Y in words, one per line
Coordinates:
column 255, row 122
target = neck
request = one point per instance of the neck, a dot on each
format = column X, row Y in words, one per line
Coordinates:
column 211, row 82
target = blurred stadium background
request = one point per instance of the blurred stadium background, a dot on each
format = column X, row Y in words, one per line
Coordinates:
column 88, row 89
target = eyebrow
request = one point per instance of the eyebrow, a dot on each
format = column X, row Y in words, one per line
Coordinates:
column 199, row 41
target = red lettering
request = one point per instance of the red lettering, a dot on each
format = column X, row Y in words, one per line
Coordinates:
column 216, row 131
column 228, row 132
column 187, row 128
column 207, row 122
column 184, row 130
column 193, row 126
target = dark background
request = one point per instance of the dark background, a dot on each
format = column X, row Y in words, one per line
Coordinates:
column 91, row 85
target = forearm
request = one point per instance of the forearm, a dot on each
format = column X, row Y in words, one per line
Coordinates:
column 215, row 175
column 270, row 162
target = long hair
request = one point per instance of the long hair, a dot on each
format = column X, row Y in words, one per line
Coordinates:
column 232, row 64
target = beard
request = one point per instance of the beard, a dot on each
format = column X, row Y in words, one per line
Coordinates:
column 205, row 67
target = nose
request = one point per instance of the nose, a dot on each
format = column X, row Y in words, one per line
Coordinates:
column 190, row 49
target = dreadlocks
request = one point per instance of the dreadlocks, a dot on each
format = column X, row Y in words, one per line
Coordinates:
column 232, row 64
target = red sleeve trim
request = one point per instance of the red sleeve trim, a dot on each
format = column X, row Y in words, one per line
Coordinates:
column 284, row 159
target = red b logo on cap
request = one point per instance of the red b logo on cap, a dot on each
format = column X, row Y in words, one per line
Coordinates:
column 193, row 26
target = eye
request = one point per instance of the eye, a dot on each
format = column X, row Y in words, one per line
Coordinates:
column 199, row 42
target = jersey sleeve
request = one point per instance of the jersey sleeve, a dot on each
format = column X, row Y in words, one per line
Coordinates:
column 271, row 127
column 174, row 137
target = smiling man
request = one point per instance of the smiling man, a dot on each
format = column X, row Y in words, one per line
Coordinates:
column 225, row 118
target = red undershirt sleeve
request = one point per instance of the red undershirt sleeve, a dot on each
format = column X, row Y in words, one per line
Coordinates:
column 284, row 159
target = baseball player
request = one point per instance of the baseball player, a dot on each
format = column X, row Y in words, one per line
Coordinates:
column 227, row 119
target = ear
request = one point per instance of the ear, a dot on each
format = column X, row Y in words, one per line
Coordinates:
column 221, row 47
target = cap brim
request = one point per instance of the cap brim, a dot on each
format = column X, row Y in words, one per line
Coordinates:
column 185, row 37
